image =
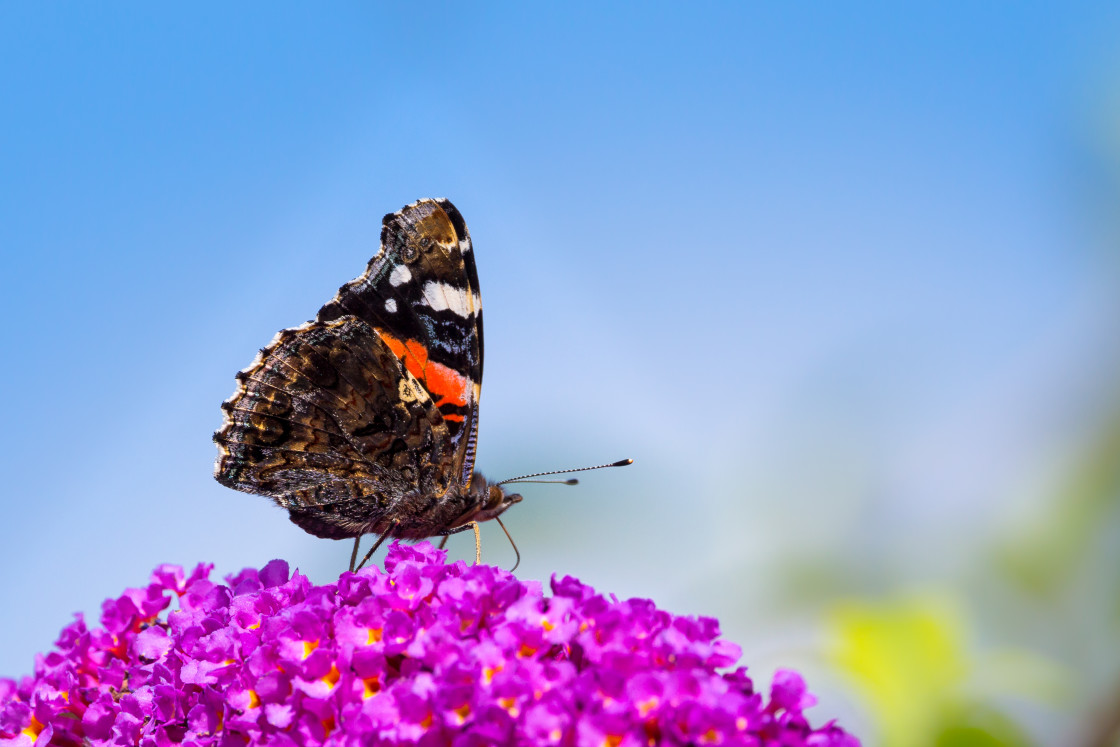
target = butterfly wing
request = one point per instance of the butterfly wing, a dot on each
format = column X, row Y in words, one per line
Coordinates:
column 329, row 423
column 420, row 296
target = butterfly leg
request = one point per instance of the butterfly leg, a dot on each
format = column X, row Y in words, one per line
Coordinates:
column 477, row 539
column 478, row 543
column 354, row 552
column 510, row 538
column 377, row 544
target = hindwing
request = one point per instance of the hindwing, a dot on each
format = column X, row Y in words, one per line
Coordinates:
column 330, row 423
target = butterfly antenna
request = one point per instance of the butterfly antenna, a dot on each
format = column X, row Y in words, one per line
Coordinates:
column 569, row 481
column 525, row 478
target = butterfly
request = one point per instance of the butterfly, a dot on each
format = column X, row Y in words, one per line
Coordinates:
column 365, row 419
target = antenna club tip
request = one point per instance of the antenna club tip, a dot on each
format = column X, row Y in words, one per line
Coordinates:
column 572, row 481
column 622, row 462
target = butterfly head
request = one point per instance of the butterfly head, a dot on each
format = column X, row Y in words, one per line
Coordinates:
column 491, row 499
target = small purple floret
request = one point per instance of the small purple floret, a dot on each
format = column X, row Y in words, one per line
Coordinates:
column 424, row 653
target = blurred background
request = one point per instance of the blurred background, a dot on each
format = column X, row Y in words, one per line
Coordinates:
column 842, row 280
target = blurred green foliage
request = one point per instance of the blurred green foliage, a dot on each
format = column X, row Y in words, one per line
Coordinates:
column 910, row 662
column 1035, row 626
column 1046, row 557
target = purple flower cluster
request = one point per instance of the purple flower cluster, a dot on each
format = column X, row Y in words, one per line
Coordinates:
column 424, row 653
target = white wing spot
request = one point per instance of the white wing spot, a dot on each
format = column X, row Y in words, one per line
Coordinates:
column 391, row 305
column 407, row 392
column 441, row 296
column 399, row 276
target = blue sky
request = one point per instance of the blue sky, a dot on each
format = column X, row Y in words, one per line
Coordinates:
column 833, row 275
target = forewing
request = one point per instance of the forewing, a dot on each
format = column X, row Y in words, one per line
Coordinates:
column 329, row 423
column 420, row 295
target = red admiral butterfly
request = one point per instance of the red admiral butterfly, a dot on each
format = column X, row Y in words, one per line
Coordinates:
column 365, row 420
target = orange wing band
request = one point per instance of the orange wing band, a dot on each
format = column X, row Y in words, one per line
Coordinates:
column 450, row 386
